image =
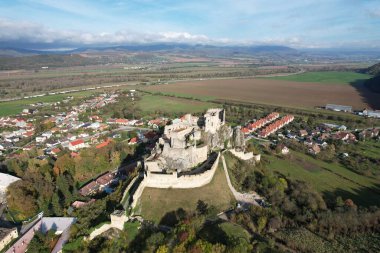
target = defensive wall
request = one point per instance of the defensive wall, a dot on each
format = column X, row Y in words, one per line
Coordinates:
column 245, row 156
column 164, row 181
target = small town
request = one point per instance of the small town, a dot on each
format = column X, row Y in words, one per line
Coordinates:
column 189, row 126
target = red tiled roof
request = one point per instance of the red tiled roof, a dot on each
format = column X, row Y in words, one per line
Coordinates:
column 121, row 121
column 133, row 140
column 76, row 142
column 245, row 130
column 55, row 150
column 103, row 144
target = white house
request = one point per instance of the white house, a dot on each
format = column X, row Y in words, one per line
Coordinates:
column 41, row 139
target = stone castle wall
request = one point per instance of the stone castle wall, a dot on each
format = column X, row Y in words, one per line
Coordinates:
column 184, row 159
column 245, row 156
column 164, row 181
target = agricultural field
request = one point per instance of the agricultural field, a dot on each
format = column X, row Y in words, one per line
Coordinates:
column 331, row 179
column 152, row 103
column 155, row 203
column 295, row 94
column 325, row 77
column 16, row 106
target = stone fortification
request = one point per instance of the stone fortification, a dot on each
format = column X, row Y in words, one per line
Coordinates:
column 173, row 180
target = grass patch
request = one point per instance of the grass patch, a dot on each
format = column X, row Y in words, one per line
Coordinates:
column 73, row 245
column 325, row 77
column 154, row 103
column 155, row 203
column 234, row 230
column 331, row 179
column 132, row 229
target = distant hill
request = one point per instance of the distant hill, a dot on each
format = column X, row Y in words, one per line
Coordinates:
column 373, row 83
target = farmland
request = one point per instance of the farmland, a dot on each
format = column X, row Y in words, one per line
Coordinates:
column 324, row 77
column 152, row 103
column 276, row 92
column 156, row 202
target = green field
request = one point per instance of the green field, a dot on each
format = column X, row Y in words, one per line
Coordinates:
column 16, row 106
column 331, row 179
column 155, row 203
column 325, row 77
column 153, row 103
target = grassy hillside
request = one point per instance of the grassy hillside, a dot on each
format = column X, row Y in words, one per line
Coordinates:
column 325, row 77
column 331, row 179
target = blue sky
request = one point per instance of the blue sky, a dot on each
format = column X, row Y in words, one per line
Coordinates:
column 297, row 23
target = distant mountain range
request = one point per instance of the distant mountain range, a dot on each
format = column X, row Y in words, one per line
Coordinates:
column 175, row 48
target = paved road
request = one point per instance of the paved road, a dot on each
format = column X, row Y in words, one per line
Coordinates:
column 242, row 198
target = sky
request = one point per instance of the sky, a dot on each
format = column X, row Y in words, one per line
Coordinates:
column 295, row 23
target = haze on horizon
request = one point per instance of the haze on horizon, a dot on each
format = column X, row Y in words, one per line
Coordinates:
column 296, row 23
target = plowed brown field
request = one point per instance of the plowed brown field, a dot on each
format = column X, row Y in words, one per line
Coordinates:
column 276, row 92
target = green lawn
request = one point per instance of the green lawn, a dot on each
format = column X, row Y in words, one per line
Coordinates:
column 153, row 103
column 132, row 229
column 331, row 179
column 325, row 77
column 368, row 148
column 16, row 106
column 155, row 203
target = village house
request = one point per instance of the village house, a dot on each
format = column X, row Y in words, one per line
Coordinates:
column 103, row 144
column 55, row 151
column 89, row 189
column 133, row 141
column 6, row 236
column 78, row 204
column 106, row 180
column 344, row 136
column 369, row 133
column 314, row 149
column 371, row 114
column 284, row 150
column 303, row 133
column 77, row 144
column 40, row 139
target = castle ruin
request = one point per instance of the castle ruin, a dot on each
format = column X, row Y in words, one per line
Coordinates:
column 184, row 144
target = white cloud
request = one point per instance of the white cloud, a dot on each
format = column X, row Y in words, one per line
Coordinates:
column 36, row 33
column 25, row 32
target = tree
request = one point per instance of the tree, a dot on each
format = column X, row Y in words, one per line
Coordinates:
column 202, row 207
column 55, row 202
column 22, row 199
column 261, row 223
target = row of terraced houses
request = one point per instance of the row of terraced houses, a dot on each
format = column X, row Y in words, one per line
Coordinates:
column 272, row 128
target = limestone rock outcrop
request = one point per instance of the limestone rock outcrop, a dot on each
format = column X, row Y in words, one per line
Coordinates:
column 238, row 139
